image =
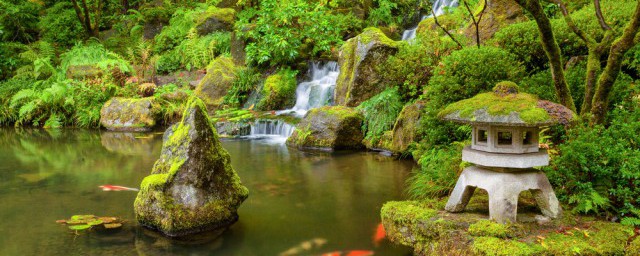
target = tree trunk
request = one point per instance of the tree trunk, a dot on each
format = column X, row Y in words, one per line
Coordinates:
column 611, row 71
column 552, row 50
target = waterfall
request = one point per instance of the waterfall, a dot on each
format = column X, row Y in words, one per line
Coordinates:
column 271, row 129
column 439, row 7
column 319, row 91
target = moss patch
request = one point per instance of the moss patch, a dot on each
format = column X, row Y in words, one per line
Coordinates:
column 329, row 128
column 426, row 227
column 221, row 73
column 124, row 114
column 279, row 91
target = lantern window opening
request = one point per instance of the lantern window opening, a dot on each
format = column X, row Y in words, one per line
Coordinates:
column 505, row 138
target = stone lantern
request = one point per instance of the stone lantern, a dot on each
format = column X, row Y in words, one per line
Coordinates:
column 504, row 149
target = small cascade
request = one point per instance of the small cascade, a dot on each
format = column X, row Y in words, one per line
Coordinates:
column 439, row 7
column 319, row 91
column 274, row 130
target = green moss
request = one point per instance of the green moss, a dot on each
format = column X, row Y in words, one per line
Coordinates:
column 130, row 113
column 600, row 239
column 279, row 91
column 634, row 248
column 490, row 228
column 525, row 105
column 330, row 128
column 221, row 73
column 414, row 223
column 371, row 33
column 226, row 15
column 492, row 246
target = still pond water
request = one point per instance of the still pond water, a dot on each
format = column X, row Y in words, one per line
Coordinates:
column 294, row 196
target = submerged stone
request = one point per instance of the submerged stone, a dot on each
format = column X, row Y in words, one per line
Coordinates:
column 359, row 57
column 122, row 114
column 329, row 128
column 192, row 187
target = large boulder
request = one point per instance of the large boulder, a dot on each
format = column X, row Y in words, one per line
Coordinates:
column 498, row 14
column 123, row 114
column 221, row 73
column 329, row 128
column 192, row 187
column 215, row 19
column 359, row 56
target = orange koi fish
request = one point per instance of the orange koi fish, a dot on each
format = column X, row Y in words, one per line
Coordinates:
column 379, row 235
column 350, row 253
column 116, row 188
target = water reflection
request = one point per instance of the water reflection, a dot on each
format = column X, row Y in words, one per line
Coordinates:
column 294, row 196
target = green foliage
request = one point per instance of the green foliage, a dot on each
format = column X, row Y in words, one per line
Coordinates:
column 462, row 75
column 195, row 52
column 246, row 81
column 182, row 20
column 541, row 84
column 490, row 228
column 60, row 25
column 470, row 71
column 10, row 59
column 523, row 39
column 598, row 167
column 18, row 20
column 35, row 106
column 281, row 31
column 438, row 172
column 380, row 113
column 93, row 54
column 412, row 67
column 8, row 88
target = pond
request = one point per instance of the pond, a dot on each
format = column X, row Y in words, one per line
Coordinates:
column 331, row 201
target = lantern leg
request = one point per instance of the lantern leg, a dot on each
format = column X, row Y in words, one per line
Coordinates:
column 460, row 196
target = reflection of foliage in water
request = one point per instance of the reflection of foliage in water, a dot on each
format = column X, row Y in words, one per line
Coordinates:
column 52, row 156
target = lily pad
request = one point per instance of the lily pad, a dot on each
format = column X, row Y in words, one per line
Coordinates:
column 79, row 227
column 112, row 226
column 95, row 222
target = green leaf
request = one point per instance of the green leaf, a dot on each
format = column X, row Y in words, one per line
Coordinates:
column 80, row 227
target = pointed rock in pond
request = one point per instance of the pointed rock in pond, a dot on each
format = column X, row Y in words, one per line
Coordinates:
column 192, row 187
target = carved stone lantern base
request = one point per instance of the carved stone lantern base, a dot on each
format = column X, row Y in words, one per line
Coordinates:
column 503, row 190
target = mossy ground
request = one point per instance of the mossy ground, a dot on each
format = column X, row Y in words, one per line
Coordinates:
column 430, row 230
column 525, row 105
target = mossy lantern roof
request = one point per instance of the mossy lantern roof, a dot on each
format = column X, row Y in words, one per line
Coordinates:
column 505, row 106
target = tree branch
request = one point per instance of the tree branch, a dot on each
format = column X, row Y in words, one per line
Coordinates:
column 603, row 23
column 473, row 19
column 567, row 18
column 444, row 29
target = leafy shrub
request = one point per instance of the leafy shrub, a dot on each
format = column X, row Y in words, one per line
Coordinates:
column 8, row 88
column 181, row 22
column 412, row 67
column 523, row 39
column 459, row 76
column 195, row 52
column 10, row 59
column 18, row 20
column 279, row 32
column 93, row 54
column 541, row 84
column 88, row 100
column 438, row 171
column 597, row 169
column 38, row 106
column 246, row 81
column 60, row 25
column 380, row 113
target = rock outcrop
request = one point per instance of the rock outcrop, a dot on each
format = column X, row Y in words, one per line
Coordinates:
column 359, row 56
column 215, row 19
column 278, row 92
column 221, row 74
column 123, row 114
column 192, row 187
column 498, row 14
column 405, row 130
column 329, row 128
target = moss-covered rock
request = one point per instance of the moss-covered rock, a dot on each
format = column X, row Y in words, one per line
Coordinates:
column 122, row 114
column 329, row 128
column 498, row 14
column 430, row 230
column 221, row 73
column 81, row 72
column 279, row 91
column 405, row 130
column 192, row 187
column 358, row 59
column 215, row 19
